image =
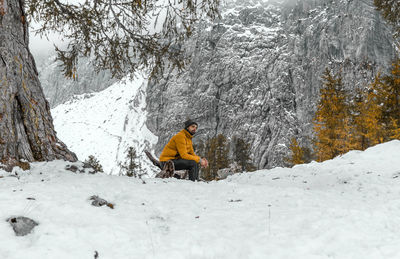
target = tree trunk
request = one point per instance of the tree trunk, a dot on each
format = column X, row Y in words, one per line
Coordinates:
column 26, row 125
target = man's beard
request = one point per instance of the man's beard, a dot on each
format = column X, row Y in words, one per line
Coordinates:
column 191, row 133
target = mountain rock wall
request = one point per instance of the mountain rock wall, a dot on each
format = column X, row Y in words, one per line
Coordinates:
column 59, row 89
column 256, row 73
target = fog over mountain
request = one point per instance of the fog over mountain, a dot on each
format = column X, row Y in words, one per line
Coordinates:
column 59, row 89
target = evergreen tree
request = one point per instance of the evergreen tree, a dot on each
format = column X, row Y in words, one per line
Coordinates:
column 209, row 173
column 390, row 10
column 222, row 152
column 373, row 114
column 297, row 156
column 391, row 97
column 395, row 131
column 217, row 154
column 94, row 163
column 357, row 136
column 377, row 116
column 331, row 121
column 366, row 117
column 131, row 167
column 242, row 155
column 122, row 35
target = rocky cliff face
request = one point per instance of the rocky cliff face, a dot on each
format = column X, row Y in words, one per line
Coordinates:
column 59, row 89
column 256, row 73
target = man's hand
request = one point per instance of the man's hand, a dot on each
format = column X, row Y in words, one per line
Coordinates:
column 204, row 163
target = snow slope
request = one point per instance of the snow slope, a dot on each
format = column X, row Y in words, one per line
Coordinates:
column 347, row 207
column 106, row 123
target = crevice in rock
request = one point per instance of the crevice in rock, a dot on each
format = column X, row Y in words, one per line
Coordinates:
column 4, row 62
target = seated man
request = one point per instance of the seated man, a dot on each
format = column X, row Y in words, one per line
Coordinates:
column 180, row 151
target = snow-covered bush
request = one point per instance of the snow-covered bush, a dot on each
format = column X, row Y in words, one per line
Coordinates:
column 94, row 163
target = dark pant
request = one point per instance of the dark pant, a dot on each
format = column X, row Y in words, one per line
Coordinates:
column 191, row 165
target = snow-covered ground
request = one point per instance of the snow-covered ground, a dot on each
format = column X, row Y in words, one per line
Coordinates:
column 348, row 207
column 106, row 124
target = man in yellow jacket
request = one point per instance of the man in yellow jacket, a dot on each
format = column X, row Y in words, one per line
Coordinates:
column 180, row 151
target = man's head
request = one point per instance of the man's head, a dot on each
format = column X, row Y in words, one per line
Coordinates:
column 191, row 126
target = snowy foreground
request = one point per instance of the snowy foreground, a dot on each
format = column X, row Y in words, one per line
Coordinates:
column 348, row 207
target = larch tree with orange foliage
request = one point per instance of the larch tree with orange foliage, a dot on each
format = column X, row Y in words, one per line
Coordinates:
column 297, row 153
column 331, row 120
column 368, row 129
column 391, row 100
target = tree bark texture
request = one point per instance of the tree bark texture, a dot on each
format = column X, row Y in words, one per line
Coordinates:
column 26, row 125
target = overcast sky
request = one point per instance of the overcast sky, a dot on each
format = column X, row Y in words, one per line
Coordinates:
column 43, row 46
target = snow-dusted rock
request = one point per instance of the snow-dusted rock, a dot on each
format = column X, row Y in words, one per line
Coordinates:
column 98, row 202
column 234, row 168
column 59, row 89
column 21, row 225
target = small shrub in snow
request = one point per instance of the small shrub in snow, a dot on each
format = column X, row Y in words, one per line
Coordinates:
column 81, row 167
column 131, row 167
column 132, row 164
column 94, row 163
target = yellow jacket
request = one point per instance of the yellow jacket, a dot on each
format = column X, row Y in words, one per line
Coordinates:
column 180, row 146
